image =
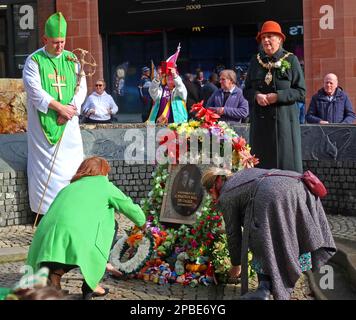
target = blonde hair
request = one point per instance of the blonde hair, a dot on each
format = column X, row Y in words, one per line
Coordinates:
column 210, row 175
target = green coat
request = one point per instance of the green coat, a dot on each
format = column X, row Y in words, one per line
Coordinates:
column 275, row 130
column 78, row 228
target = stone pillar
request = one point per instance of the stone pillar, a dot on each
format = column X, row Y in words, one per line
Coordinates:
column 330, row 44
column 83, row 31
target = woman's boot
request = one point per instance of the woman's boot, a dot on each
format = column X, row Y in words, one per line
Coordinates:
column 55, row 278
column 263, row 291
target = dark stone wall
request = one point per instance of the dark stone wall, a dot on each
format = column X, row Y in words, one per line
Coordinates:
column 328, row 151
column 339, row 178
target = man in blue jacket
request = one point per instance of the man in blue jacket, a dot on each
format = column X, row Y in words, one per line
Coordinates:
column 330, row 104
column 228, row 101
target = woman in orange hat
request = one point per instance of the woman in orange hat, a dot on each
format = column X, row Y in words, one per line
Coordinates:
column 274, row 85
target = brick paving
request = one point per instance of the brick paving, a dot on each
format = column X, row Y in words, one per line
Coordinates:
column 133, row 289
column 343, row 227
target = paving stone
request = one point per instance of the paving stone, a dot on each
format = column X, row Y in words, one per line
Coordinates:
column 14, row 238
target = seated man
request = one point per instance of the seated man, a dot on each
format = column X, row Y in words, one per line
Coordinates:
column 330, row 104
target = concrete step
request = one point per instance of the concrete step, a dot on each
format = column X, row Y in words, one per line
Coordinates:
column 346, row 258
column 13, row 254
column 343, row 265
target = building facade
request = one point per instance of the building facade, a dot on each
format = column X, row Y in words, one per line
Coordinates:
column 126, row 35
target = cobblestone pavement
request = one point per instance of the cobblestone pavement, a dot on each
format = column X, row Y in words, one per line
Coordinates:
column 343, row 227
column 133, row 289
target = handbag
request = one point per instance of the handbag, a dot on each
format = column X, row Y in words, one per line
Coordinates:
column 314, row 184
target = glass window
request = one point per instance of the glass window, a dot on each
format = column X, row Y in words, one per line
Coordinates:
column 25, row 33
column 245, row 45
column 3, row 31
column 203, row 48
column 2, row 43
column 128, row 53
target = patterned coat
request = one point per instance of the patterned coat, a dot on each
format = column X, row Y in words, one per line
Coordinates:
column 287, row 220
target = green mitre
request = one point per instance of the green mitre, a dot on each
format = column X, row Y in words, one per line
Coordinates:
column 56, row 26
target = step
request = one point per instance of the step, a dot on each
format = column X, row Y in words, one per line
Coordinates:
column 346, row 257
column 13, row 254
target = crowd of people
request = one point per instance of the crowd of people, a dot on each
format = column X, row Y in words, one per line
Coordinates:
column 287, row 224
column 330, row 104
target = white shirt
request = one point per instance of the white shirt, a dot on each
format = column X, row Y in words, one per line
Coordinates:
column 103, row 104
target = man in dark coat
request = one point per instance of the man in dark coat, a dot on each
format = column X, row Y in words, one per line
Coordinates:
column 330, row 104
column 283, row 223
column 193, row 92
column 274, row 85
column 145, row 97
column 209, row 88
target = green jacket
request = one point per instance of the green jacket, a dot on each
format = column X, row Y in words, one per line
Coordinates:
column 78, row 228
column 275, row 136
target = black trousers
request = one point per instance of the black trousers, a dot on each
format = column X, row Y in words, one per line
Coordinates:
column 88, row 120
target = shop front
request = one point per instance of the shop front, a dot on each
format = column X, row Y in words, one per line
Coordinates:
column 18, row 35
column 212, row 34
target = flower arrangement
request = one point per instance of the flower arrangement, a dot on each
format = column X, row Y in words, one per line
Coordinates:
column 125, row 247
column 203, row 243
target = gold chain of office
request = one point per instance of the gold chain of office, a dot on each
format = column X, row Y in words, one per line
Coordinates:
column 269, row 65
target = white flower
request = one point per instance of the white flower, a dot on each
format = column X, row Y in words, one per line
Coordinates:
column 131, row 265
column 278, row 64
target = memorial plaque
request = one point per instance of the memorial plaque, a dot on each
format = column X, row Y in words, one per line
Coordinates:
column 184, row 194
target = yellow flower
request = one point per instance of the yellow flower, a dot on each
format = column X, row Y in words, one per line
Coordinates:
column 189, row 130
column 235, row 157
column 194, row 124
column 173, row 126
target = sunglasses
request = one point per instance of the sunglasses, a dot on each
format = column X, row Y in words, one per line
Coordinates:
column 98, row 85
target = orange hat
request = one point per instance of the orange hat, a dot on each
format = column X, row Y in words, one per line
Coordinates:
column 270, row 27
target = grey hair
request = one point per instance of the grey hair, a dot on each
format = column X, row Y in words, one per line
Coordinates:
column 230, row 74
column 210, row 175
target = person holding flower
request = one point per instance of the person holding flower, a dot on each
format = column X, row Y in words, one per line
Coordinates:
column 274, row 85
column 79, row 227
column 284, row 226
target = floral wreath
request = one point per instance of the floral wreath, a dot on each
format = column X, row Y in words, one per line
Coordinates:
column 143, row 253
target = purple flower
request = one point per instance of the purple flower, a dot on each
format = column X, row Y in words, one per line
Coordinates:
column 215, row 131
